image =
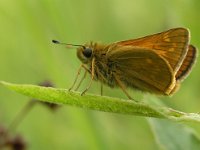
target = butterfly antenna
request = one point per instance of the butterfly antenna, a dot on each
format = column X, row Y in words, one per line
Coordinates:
column 57, row 42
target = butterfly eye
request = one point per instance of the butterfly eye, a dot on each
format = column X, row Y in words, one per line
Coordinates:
column 87, row 52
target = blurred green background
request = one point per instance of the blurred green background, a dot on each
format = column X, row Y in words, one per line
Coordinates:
column 28, row 56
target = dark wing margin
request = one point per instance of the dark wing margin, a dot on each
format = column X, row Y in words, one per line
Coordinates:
column 187, row 64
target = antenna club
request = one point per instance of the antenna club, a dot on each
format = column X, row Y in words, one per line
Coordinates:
column 55, row 41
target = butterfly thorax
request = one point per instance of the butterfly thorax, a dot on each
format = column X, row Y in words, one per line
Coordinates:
column 103, row 68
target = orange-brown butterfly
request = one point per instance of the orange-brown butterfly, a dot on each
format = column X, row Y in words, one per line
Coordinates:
column 156, row 63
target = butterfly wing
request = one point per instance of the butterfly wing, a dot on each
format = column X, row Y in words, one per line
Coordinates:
column 187, row 64
column 142, row 69
column 171, row 45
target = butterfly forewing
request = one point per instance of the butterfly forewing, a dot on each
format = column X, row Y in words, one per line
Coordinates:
column 143, row 69
column 171, row 44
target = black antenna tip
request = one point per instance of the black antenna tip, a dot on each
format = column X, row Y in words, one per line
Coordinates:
column 56, row 42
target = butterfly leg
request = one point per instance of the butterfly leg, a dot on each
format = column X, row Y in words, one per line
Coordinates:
column 92, row 77
column 123, row 87
column 78, row 73
column 81, row 80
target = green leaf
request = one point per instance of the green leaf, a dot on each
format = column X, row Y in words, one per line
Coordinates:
column 101, row 103
column 170, row 135
column 174, row 136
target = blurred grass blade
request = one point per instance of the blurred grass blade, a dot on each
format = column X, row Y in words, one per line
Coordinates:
column 174, row 136
column 101, row 103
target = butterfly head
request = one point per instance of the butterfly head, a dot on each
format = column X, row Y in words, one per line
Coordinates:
column 85, row 53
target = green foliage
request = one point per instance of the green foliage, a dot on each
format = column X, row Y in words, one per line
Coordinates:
column 168, row 135
column 28, row 56
column 173, row 136
column 101, row 103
